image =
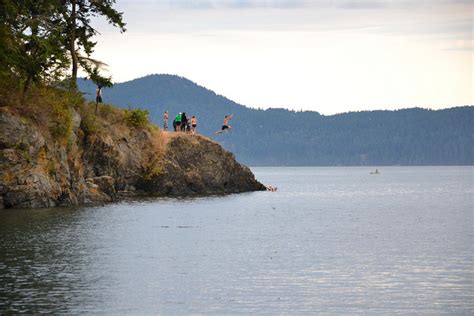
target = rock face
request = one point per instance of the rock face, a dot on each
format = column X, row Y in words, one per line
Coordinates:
column 194, row 165
column 37, row 171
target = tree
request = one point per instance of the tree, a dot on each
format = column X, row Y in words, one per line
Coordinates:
column 40, row 39
column 31, row 41
column 6, row 37
column 97, row 79
column 79, row 32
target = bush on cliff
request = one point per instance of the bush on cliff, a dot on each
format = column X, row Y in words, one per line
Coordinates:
column 137, row 118
column 47, row 107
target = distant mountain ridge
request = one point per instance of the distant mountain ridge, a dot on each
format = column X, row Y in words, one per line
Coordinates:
column 282, row 137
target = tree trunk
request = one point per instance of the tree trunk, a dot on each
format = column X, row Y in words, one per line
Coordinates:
column 72, row 43
column 26, row 88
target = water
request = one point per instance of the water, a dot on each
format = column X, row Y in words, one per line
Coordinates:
column 330, row 240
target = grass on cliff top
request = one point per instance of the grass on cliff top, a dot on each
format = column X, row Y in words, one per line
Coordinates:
column 193, row 139
column 52, row 111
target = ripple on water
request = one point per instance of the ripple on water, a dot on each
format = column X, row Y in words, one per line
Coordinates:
column 330, row 240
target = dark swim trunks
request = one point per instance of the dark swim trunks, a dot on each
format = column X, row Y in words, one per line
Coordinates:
column 224, row 127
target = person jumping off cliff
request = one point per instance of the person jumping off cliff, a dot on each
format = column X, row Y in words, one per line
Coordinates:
column 225, row 124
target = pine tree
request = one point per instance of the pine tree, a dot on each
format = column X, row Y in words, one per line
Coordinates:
column 40, row 39
column 31, row 41
column 80, row 33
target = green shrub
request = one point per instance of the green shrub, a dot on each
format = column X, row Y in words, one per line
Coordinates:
column 154, row 170
column 70, row 98
column 105, row 110
column 51, row 167
column 88, row 123
column 137, row 118
column 61, row 121
column 23, row 149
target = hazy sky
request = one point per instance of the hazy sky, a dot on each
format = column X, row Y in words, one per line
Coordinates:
column 330, row 56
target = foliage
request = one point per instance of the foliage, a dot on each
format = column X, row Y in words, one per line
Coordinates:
column 137, row 117
column 97, row 78
column 155, row 169
column 31, row 40
column 9, row 95
column 61, row 121
column 40, row 39
column 51, row 166
column 24, row 151
column 49, row 108
column 108, row 111
column 89, row 122
column 77, row 16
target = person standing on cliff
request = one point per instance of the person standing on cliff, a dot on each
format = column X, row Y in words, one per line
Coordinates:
column 194, row 122
column 177, row 122
column 184, row 122
column 98, row 97
column 165, row 121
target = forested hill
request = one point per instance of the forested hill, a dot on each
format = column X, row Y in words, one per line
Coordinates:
column 282, row 137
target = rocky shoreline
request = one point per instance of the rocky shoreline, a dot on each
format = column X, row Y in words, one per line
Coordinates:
column 37, row 170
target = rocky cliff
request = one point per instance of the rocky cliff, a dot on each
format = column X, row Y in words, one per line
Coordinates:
column 107, row 160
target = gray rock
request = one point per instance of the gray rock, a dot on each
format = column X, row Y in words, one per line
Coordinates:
column 105, row 184
column 197, row 165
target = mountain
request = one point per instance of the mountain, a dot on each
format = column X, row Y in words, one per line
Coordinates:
column 282, row 137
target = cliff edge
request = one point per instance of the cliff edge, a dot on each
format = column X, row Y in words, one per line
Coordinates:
column 80, row 158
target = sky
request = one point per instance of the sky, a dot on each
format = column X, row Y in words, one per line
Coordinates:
column 330, row 56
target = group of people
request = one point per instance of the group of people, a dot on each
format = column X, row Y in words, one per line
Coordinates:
column 184, row 124
column 181, row 122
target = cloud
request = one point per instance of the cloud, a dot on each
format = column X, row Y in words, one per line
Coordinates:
column 294, row 4
column 461, row 46
column 460, row 49
column 233, row 4
column 427, row 19
column 440, row 28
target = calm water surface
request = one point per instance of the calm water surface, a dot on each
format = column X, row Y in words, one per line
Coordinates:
column 329, row 241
